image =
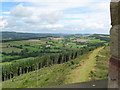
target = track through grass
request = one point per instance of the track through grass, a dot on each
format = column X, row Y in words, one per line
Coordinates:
column 81, row 73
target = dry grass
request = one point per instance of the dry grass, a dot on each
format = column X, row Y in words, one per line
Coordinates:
column 81, row 40
column 32, row 40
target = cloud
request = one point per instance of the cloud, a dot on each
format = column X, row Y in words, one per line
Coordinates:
column 32, row 19
column 3, row 23
column 20, row 11
column 51, row 16
column 5, row 12
column 54, row 26
column 36, row 14
column 1, row 17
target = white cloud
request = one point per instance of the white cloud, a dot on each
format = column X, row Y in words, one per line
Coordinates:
column 5, row 12
column 32, row 19
column 36, row 14
column 20, row 11
column 1, row 17
column 49, row 16
column 3, row 23
column 54, row 26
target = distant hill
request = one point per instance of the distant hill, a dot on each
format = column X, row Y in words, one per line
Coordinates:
column 17, row 35
column 14, row 35
column 9, row 35
column 104, row 37
column 101, row 35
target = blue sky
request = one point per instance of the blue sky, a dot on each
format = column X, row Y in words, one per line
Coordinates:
column 55, row 16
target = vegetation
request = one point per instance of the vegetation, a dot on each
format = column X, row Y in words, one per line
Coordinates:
column 81, row 73
column 57, row 74
column 26, row 55
column 101, row 68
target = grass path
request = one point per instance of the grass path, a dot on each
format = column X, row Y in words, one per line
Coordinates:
column 81, row 73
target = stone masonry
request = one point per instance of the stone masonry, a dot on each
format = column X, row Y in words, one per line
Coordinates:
column 114, row 65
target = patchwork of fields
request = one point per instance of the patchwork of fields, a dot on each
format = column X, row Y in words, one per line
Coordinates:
column 22, row 57
column 48, row 44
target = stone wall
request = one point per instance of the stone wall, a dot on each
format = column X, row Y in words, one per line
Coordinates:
column 114, row 66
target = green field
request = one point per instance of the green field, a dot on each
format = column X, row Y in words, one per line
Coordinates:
column 39, row 46
column 53, row 60
column 17, row 61
column 11, row 49
column 60, row 73
column 95, row 40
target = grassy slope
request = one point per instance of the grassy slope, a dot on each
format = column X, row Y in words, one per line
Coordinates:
column 81, row 73
column 101, row 68
column 57, row 74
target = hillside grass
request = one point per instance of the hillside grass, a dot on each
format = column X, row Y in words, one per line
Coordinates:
column 81, row 73
column 102, row 62
column 62, row 73
column 95, row 40
column 11, row 49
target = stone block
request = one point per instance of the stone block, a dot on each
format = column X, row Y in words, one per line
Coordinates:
column 115, row 41
column 115, row 13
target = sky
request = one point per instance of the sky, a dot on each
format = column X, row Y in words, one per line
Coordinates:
column 56, row 16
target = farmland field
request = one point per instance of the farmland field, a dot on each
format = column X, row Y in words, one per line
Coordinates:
column 25, row 56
